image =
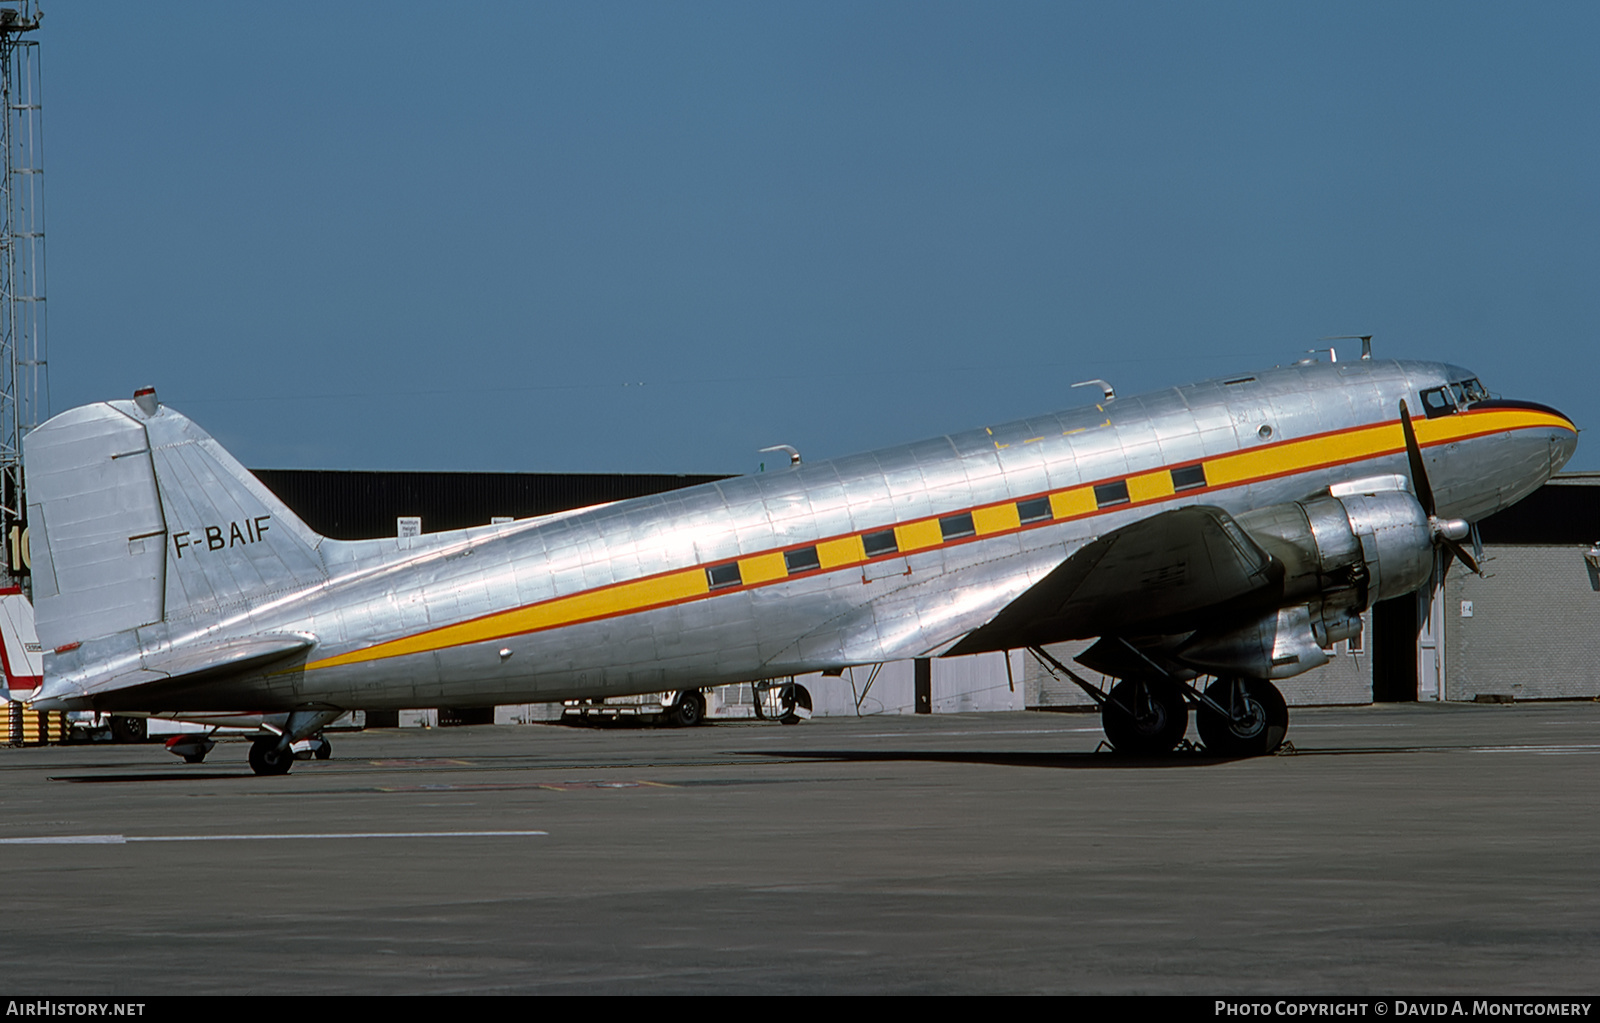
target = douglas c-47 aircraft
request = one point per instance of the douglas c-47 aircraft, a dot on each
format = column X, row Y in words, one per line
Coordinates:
column 1232, row 529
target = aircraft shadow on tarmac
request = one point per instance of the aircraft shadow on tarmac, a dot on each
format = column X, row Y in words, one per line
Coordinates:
column 168, row 776
column 1059, row 760
column 1074, row 760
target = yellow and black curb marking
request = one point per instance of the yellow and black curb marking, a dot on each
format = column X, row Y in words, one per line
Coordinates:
column 22, row 727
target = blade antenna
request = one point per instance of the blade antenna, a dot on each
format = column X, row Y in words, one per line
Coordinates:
column 1365, row 339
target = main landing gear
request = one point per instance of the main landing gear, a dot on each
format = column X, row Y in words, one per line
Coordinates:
column 1148, row 716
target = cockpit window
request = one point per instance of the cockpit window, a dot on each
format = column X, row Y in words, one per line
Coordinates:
column 1469, row 392
column 1438, row 401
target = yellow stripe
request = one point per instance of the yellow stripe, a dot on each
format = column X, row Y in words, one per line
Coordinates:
column 998, row 519
column 916, row 536
column 1244, row 466
column 1067, row 503
column 842, row 552
column 1302, row 454
column 634, row 596
column 762, row 568
column 1150, row 486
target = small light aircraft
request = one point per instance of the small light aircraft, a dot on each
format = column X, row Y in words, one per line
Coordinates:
column 1233, row 529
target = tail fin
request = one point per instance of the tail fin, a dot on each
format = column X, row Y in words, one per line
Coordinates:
column 20, row 656
column 137, row 516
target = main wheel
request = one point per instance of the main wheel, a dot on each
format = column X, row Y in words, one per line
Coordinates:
column 689, row 710
column 324, row 750
column 267, row 758
column 796, row 705
column 1257, row 724
column 1158, row 720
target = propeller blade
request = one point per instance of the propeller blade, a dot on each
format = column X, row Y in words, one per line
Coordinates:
column 1468, row 560
column 1419, row 473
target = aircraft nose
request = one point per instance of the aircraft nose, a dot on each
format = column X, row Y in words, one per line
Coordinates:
column 1562, row 445
column 1553, row 429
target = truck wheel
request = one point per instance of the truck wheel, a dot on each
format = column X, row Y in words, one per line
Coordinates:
column 129, row 729
column 689, row 710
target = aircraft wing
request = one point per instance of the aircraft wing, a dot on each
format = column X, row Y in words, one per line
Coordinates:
column 1178, row 564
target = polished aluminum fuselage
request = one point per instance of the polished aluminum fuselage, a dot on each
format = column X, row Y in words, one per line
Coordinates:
column 605, row 601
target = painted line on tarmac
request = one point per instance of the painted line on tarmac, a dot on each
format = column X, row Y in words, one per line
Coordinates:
column 1569, row 749
column 126, row 839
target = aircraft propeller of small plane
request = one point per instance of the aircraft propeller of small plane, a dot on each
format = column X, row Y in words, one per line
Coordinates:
column 1231, row 530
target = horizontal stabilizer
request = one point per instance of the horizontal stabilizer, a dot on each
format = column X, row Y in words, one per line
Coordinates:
column 163, row 672
column 227, row 656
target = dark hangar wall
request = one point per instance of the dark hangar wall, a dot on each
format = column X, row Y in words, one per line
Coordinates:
column 1564, row 511
column 364, row 505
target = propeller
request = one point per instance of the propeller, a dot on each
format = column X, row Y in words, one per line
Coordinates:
column 1447, row 533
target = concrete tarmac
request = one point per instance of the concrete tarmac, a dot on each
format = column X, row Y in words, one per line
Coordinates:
column 1402, row 850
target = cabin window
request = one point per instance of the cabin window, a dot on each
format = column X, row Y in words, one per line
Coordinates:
column 722, row 576
column 1437, row 401
column 880, row 543
column 954, row 527
column 1189, row 477
column 1034, row 510
column 1108, row 494
column 803, row 560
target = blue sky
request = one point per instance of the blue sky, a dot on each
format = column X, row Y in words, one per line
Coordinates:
column 599, row 237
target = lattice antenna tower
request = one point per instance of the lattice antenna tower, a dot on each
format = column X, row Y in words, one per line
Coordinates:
column 24, row 385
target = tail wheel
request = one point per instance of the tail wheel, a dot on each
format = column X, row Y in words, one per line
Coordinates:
column 267, row 758
column 1256, row 725
column 1144, row 717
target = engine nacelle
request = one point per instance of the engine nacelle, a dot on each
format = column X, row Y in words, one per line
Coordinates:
column 1278, row 645
column 1340, row 554
column 1376, row 545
